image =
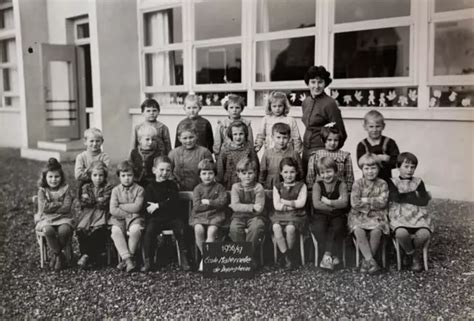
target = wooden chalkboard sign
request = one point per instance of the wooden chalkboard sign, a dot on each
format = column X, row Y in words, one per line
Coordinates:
column 228, row 260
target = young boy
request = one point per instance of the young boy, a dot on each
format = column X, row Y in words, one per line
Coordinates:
column 247, row 202
column 160, row 212
column 270, row 164
column 150, row 111
column 192, row 107
column 142, row 157
column 385, row 148
column 125, row 205
column 93, row 139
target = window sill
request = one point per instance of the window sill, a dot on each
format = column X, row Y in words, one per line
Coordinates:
column 10, row 110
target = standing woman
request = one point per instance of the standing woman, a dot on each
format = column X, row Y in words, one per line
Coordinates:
column 319, row 110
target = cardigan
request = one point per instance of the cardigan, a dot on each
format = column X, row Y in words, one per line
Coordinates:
column 84, row 160
column 270, row 165
column 185, row 164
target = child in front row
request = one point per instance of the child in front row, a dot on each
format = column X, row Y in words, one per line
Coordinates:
column 331, row 137
column 125, row 207
column 192, row 107
column 289, row 200
column 143, row 156
column 234, row 106
column 409, row 217
column 150, row 111
column 276, row 111
column 367, row 219
column 91, row 230
column 160, row 212
column 247, row 202
column 272, row 156
column 185, row 158
column 239, row 147
column 384, row 148
column 330, row 200
column 54, row 216
column 210, row 202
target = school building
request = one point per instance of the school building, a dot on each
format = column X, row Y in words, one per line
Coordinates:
column 67, row 65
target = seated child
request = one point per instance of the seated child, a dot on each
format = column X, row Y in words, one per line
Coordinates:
column 331, row 136
column 93, row 140
column 276, row 110
column 247, row 202
column 125, row 207
column 150, row 111
column 210, row 202
column 409, row 217
column 54, row 216
column 368, row 216
column 270, row 164
column 384, row 148
column 160, row 212
column 91, row 230
column 185, row 158
column 239, row 147
column 330, row 201
column 289, row 200
column 142, row 157
column 234, row 106
column 192, row 107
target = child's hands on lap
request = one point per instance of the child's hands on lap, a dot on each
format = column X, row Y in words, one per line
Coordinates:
column 257, row 208
column 205, row 201
column 152, row 207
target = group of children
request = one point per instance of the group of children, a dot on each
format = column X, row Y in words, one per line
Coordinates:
column 146, row 201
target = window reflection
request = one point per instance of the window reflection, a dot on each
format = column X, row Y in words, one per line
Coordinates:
column 217, row 19
column 276, row 15
column 358, row 10
column 163, row 27
column 219, row 65
column 164, row 68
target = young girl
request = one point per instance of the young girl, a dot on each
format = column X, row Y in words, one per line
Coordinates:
column 409, row 217
column 368, row 216
column 331, row 137
column 54, row 217
column 209, row 206
column 289, row 200
column 234, row 106
column 277, row 110
column 270, row 164
column 92, row 227
column 330, row 200
column 238, row 148
column 185, row 158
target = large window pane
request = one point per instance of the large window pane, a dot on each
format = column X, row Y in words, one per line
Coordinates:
column 448, row 5
column 454, row 48
column 276, row 15
column 358, row 10
column 164, row 68
column 372, row 53
column 163, row 27
column 217, row 19
column 284, row 59
column 218, row 65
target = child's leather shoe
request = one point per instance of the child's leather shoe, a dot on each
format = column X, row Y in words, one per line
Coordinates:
column 130, row 265
column 373, row 267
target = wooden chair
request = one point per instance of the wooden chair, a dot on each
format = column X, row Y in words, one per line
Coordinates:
column 275, row 249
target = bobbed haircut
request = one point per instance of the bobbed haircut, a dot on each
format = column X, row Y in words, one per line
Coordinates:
column 93, row 132
column 207, row 165
column 162, row 159
column 317, row 72
column 186, row 127
column 146, row 130
column 326, row 163
column 245, row 164
column 192, row 98
column 234, row 99
column 238, row 124
column 407, row 157
column 97, row 165
column 125, row 166
column 289, row 161
column 368, row 159
column 150, row 103
column 281, row 128
column 274, row 97
column 374, row 115
column 52, row 165
column 326, row 131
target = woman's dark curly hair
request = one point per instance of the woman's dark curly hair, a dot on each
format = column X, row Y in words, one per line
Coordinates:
column 317, row 72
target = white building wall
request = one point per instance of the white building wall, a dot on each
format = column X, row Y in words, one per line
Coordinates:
column 11, row 134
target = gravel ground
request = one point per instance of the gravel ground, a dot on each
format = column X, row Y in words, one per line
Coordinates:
column 445, row 291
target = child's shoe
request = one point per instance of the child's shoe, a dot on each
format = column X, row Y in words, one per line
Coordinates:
column 416, row 265
column 373, row 266
column 52, row 260
column 184, row 261
column 83, row 261
column 364, row 266
column 60, row 262
column 326, row 262
column 335, row 260
column 122, row 265
column 289, row 265
column 130, row 265
column 146, row 265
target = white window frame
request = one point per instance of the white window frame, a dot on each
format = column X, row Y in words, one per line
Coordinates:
column 8, row 34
